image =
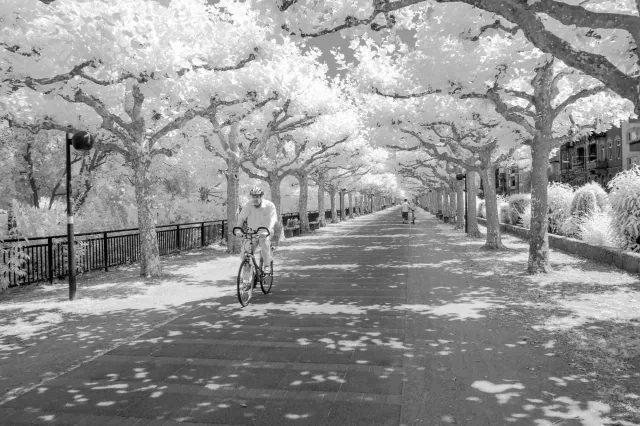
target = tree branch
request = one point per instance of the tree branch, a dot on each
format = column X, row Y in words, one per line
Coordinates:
column 584, row 93
column 496, row 25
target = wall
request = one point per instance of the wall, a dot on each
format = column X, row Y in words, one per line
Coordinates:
column 625, row 260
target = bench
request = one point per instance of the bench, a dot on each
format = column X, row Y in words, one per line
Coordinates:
column 314, row 225
column 292, row 229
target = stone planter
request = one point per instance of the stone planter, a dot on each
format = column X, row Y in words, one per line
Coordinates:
column 288, row 233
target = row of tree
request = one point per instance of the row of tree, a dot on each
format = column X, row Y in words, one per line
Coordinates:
column 425, row 90
column 153, row 84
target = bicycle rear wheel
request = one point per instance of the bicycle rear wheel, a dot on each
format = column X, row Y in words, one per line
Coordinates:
column 267, row 279
column 245, row 282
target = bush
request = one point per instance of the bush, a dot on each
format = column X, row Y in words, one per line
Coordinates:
column 624, row 196
column 559, row 197
column 482, row 208
column 519, row 204
column 525, row 218
column 602, row 199
column 584, row 204
column 506, row 213
column 596, row 229
column 13, row 260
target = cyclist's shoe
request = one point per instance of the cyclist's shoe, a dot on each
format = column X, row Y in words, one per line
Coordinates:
column 266, row 269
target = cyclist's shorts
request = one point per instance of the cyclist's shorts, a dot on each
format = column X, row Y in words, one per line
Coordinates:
column 405, row 215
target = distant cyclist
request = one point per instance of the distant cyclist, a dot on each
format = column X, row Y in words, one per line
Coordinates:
column 260, row 213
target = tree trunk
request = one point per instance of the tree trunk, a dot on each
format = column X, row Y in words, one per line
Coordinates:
column 332, row 198
column 452, row 207
column 494, row 240
column 303, row 201
column 538, row 237
column 149, row 252
column 460, row 194
column 32, row 179
column 81, row 196
column 472, row 209
column 350, row 205
column 322, row 221
column 343, row 207
column 12, row 223
column 274, row 186
column 233, row 180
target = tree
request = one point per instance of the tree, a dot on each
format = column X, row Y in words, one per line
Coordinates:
column 130, row 84
column 598, row 38
column 550, row 102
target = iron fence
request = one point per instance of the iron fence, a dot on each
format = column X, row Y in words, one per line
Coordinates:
column 103, row 250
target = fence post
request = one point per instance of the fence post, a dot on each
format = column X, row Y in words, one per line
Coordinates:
column 50, row 258
column 178, row 237
column 224, row 234
column 202, row 235
column 105, row 251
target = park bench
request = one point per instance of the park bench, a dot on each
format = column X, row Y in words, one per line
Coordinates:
column 314, row 225
column 292, row 229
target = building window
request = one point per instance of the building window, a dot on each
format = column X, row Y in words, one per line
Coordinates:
column 618, row 148
column 610, row 150
column 604, row 157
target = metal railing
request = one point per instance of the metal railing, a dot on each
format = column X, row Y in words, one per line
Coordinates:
column 103, row 250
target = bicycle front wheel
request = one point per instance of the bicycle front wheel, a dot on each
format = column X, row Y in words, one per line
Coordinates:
column 267, row 279
column 245, row 282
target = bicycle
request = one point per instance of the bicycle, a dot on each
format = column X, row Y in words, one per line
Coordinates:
column 250, row 273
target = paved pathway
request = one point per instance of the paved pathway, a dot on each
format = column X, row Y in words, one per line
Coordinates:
column 376, row 325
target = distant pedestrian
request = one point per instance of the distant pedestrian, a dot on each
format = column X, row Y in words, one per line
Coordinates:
column 405, row 211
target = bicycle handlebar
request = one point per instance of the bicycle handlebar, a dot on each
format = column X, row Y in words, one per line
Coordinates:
column 239, row 232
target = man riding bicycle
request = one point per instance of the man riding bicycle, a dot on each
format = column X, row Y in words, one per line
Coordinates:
column 260, row 213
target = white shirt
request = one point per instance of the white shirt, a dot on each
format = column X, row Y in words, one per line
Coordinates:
column 405, row 207
column 262, row 216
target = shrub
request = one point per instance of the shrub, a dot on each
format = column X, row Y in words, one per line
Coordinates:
column 525, row 217
column 482, row 208
column 519, row 202
column 13, row 260
column 596, row 229
column 559, row 197
column 584, row 204
column 602, row 199
column 505, row 212
column 624, row 196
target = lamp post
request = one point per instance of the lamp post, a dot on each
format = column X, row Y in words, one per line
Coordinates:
column 372, row 202
column 463, row 176
column 81, row 141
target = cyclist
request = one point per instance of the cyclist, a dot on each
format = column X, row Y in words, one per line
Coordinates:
column 260, row 213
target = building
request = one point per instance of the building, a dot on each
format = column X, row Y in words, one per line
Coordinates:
column 593, row 158
column 630, row 143
column 553, row 170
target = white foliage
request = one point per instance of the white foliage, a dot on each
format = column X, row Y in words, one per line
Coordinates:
column 624, row 197
column 559, row 197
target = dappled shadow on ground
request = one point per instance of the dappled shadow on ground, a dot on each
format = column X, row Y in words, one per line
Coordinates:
column 588, row 310
column 39, row 325
column 356, row 328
